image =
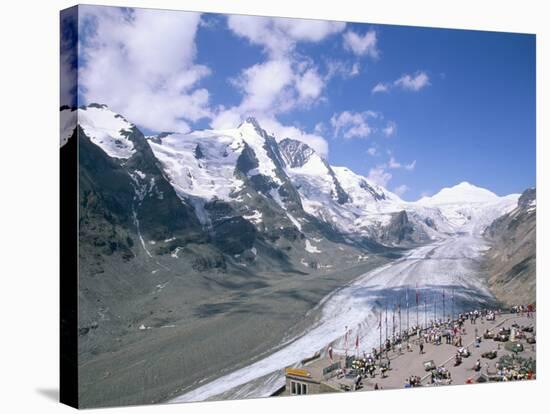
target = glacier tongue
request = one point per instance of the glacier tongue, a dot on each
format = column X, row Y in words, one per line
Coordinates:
column 355, row 308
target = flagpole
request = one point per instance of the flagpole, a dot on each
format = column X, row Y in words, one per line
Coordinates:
column 417, row 304
column 435, row 307
column 443, row 305
column 453, row 303
column 393, row 322
column 407, row 293
column 380, row 328
column 386, row 320
column 399, row 315
column 425, row 314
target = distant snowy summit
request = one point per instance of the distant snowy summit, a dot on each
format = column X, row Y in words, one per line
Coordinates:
column 459, row 194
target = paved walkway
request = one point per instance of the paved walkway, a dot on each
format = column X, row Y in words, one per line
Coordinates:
column 411, row 363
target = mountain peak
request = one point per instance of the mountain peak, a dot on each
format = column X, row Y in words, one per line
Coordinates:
column 251, row 121
column 464, row 192
column 295, row 153
column 107, row 129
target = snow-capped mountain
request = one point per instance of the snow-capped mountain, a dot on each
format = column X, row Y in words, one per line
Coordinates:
column 459, row 194
column 468, row 208
column 242, row 178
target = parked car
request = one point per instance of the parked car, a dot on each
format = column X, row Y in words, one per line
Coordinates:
column 429, row 365
column 489, row 354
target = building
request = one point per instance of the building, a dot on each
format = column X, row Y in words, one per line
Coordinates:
column 318, row 375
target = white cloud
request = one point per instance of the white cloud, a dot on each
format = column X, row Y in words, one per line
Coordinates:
column 411, row 166
column 372, row 151
column 309, row 85
column 308, row 30
column 400, row 190
column 225, row 118
column 380, row 87
column 393, row 163
column 342, row 68
column 361, row 45
column 381, row 176
column 284, row 81
column 413, row 82
column 378, row 175
column 142, row 64
column 278, row 36
column 266, row 85
column 390, row 129
column 406, row 82
column 320, row 128
column 280, row 131
column 352, row 124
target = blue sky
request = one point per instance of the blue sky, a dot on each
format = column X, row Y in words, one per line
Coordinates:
column 414, row 109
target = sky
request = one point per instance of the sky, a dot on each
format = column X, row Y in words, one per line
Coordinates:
column 413, row 109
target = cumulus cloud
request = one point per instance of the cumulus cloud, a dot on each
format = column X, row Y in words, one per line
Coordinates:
column 379, row 176
column 266, row 84
column 341, row 68
column 394, row 164
column 309, row 85
column 372, row 151
column 406, row 82
column 278, row 36
column 389, row 129
column 349, row 124
column 362, row 45
column 284, row 81
column 411, row 166
column 280, row 131
column 380, row 87
column 413, row 82
column 400, row 190
column 141, row 63
column 352, row 124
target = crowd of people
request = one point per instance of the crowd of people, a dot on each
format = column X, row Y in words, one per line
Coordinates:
column 449, row 331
